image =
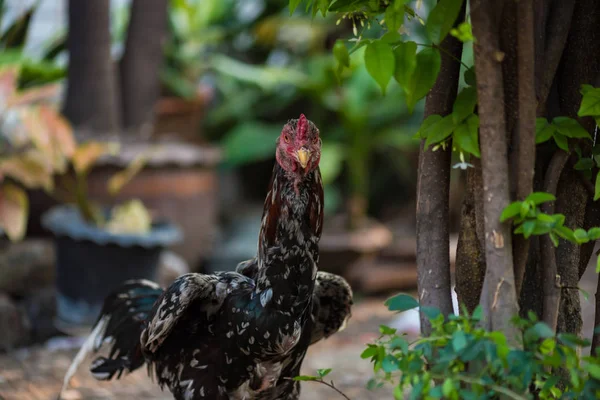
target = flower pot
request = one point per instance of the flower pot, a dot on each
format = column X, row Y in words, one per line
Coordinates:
column 179, row 183
column 91, row 262
column 340, row 247
column 175, row 115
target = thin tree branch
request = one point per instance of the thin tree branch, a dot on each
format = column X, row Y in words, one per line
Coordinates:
column 433, row 190
column 523, row 152
column 548, row 252
column 596, row 338
column 499, row 298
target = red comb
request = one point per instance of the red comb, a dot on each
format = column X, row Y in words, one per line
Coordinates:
column 302, row 127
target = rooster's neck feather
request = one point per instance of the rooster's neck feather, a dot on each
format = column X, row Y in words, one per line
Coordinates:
column 290, row 231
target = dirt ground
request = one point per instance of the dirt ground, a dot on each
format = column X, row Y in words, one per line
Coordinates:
column 36, row 373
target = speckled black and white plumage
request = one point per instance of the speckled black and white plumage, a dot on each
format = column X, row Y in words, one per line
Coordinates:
column 236, row 335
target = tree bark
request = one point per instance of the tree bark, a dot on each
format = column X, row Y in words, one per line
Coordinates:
column 557, row 31
column 523, row 152
column 92, row 98
column 433, row 190
column 141, row 62
column 498, row 296
column 470, row 256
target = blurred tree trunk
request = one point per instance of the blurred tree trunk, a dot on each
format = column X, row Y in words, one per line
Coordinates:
column 92, row 97
column 140, row 65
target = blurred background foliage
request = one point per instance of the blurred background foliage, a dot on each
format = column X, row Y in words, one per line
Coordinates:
column 263, row 67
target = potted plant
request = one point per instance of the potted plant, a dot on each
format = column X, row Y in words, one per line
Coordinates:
column 99, row 247
column 193, row 26
column 34, row 140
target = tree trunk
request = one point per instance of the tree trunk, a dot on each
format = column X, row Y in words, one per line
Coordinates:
column 140, row 66
column 498, row 296
column 433, row 191
column 92, row 99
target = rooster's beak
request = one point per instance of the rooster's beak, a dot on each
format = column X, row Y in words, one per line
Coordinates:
column 303, row 156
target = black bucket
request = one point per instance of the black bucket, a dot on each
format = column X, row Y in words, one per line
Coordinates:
column 91, row 263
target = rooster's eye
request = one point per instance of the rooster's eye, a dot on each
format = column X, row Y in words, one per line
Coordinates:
column 286, row 138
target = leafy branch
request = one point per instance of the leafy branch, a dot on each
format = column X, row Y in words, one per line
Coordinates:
column 322, row 373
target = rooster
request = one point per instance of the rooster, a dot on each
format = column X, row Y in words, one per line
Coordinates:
column 243, row 334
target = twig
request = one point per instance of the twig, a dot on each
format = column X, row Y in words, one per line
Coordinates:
column 500, row 389
column 449, row 54
column 331, row 385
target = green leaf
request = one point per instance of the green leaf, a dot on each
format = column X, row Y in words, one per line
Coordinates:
column 466, row 135
column 525, row 208
column 340, row 52
column 369, row 351
column 430, row 312
column 323, row 372
column 392, row 38
column 584, row 163
column 561, row 141
column 332, row 160
column 459, row 341
column 464, row 105
column 590, row 104
column 565, row 233
column 593, row 370
column 542, row 330
column 439, row 131
column 400, row 343
column 306, row 378
column 427, row 124
column 406, row 61
column 538, row 198
column 390, row 364
column 470, row 77
column 597, row 188
column 379, row 61
column 594, row 233
column 512, row 210
column 448, row 388
column 464, row 32
column 570, row 127
column 401, row 302
column 543, row 130
column 442, row 18
column 424, row 76
column 528, row 228
column 580, row 236
column 393, row 18
column 249, row 142
column 386, row 330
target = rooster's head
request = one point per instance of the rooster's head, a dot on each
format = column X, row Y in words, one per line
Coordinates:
column 299, row 146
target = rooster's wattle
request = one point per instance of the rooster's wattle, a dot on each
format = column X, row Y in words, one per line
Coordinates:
column 244, row 334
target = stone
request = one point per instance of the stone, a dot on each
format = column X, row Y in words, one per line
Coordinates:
column 41, row 311
column 14, row 324
column 26, row 266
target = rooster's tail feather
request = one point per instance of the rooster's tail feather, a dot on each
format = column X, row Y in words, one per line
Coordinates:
column 120, row 323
